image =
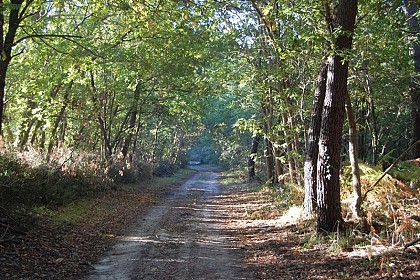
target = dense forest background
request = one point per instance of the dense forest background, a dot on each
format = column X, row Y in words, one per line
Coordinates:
column 101, row 92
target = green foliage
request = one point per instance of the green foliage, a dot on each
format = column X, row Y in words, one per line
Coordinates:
column 173, row 81
column 406, row 171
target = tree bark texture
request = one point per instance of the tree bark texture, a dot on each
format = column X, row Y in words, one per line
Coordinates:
column 6, row 46
column 328, row 166
column 311, row 153
column 269, row 159
column 268, row 114
column 413, row 25
column 252, row 156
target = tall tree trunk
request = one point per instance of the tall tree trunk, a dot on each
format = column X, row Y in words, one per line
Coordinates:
column 362, row 135
column 279, row 168
column 106, row 143
column 131, row 122
column 34, row 138
column 269, row 159
column 283, row 119
column 311, row 153
column 296, row 148
column 328, row 183
column 32, row 105
column 355, row 171
column 155, row 144
column 412, row 9
column 6, row 45
column 268, row 114
column 25, row 135
column 59, row 119
column 136, row 139
column 253, row 156
column 372, row 124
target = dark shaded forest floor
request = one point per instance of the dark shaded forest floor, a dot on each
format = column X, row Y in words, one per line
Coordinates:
column 275, row 244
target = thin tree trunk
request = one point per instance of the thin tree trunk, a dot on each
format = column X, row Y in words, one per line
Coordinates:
column 296, row 149
column 289, row 147
column 279, row 168
column 360, row 112
column 25, row 136
column 311, row 153
column 372, row 123
column 267, row 110
column 155, row 144
column 136, row 139
column 253, row 156
column 106, row 144
column 413, row 24
column 41, row 142
column 132, row 121
column 355, row 171
column 269, row 159
column 32, row 105
column 6, row 45
column 59, row 119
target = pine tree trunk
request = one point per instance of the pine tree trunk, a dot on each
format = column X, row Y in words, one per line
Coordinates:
column 328, row 166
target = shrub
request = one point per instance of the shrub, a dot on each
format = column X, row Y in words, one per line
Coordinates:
column 165, row 169
column 27, row 183
column 121, row 172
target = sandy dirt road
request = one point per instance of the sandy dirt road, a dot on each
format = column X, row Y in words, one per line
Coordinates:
column 182, row 237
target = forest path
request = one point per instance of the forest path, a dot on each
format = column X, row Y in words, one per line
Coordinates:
column 182, row 237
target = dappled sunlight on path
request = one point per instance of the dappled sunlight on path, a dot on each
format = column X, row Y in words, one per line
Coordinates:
column 183, row 237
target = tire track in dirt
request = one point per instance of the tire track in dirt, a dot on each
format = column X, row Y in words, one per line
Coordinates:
column 182, row 237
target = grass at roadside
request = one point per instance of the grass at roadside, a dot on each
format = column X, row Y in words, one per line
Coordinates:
column 161, row 182
column 141, row 193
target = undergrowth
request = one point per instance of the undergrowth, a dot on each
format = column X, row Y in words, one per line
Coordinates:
column 388, row 207
column 33, row 183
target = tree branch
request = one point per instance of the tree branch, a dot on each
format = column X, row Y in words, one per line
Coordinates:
column 67, row 37
column 390, row 167
column 23, row 11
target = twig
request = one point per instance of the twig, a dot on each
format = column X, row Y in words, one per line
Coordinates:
column 8, row 227
column 414, row 242
column 415, row 218
column 62, row 36
column 4, row 233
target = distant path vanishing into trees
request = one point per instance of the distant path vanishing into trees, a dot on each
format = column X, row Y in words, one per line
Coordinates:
column 182, row 237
